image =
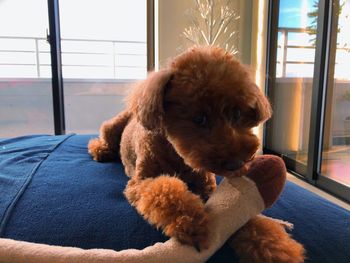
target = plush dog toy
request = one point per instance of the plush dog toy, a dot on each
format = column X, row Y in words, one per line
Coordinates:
column 183, row 125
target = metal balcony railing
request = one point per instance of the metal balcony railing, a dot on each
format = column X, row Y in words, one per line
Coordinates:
column 296, row 47
column 107, row 57
column 283, row 46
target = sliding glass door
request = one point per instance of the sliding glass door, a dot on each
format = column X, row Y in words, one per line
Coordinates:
column 309, row 88
column 336, row 139
column 290, row 88
column 103, row 53
column 66, row 66
column 25, row 73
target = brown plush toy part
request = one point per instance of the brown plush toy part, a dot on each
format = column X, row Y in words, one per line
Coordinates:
column 269, row 174
column 236, row 200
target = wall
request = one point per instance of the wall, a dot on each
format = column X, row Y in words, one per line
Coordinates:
column 259, row 25
column 172, row 22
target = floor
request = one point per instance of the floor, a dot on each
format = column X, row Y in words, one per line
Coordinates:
column 318, row 191
column 336, row 164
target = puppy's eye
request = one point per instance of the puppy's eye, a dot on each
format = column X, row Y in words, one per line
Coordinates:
column 235, row 115
column 201, row 120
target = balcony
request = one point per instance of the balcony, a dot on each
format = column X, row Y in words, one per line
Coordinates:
column 97, row 74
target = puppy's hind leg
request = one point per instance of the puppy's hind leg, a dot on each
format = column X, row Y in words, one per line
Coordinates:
column 167, row 203
column 264, row 239
column 106, row 147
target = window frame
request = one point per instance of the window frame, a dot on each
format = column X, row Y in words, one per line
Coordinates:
column 54, row 38
column 311, row 172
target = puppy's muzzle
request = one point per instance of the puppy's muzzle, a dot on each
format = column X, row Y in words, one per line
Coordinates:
column 232, row 165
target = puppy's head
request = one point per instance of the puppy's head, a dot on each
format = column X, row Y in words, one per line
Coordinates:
column 206, row 104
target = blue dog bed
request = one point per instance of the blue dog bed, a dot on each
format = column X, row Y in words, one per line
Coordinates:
column 52, row 192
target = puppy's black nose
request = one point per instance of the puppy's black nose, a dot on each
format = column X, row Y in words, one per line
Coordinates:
column 233, row 165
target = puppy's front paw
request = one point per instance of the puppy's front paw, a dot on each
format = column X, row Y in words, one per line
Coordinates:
column 191, row 230
column 100, row 151
column 167, row 203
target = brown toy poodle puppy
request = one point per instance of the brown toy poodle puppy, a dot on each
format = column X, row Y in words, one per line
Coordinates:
column 182, row 125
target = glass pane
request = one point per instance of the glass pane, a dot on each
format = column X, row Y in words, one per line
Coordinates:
column 336, row 143
column 291, row 93
column 25, row 73
column 103, row 53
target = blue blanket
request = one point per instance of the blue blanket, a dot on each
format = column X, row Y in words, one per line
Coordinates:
column 52, row 192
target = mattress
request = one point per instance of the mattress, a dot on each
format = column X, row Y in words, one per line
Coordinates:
column 52, row 192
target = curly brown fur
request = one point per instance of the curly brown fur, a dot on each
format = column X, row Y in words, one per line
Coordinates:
column 166, row 202
column 265, row 240
column 106, row 147
column 182, row 125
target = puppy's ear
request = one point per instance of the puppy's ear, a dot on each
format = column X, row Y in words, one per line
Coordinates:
column 147, row 101
column 260, row 109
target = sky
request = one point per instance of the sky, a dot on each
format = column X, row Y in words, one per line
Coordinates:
column 97, row 19
column 295, row 13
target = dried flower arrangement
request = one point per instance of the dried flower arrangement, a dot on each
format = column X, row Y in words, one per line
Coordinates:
column 210, row 24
